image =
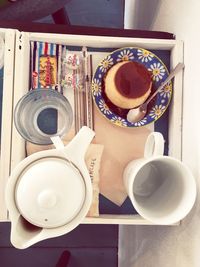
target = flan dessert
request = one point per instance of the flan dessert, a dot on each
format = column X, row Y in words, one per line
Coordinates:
column 128, row 84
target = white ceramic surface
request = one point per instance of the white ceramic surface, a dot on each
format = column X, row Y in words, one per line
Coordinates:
column 49, row 193
column 161, row 188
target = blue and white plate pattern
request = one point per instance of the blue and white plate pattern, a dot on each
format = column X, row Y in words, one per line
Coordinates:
column 159, row 74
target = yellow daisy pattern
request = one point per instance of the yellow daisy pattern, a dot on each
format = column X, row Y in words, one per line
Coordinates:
column 157, row 111
column 103, row 107
column 144, row 55
column 119, row 121
column 166, row 91
column 96, row 87
column 125, row 55
column 158, row 71
column 106, row 64
column 141, row 123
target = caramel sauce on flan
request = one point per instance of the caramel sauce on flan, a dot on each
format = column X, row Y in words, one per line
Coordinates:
column 128, row 84
column 132, row 80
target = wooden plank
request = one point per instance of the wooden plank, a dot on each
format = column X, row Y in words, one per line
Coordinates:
column 103, row 41
column 49, row 257
column 119, row 219
column 83, row 236
column 6, row 125
column 86, row 236
column 175, row 127
column 21, row 86
column 95, row 41
column 84, row 30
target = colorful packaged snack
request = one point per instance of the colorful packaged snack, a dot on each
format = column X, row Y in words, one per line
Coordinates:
column 47, row 71
column 45, row 65
column 71, row 69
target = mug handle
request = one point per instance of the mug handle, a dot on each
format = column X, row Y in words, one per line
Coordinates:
column 154, row 145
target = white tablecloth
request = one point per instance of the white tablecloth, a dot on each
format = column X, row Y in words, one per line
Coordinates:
column 177, row 246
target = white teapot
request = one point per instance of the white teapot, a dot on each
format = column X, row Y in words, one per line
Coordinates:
column 50, row 192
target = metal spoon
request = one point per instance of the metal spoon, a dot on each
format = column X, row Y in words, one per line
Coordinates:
column 137, row 114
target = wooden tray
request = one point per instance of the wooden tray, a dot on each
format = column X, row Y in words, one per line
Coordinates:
column 6, row 114
column 21, row 86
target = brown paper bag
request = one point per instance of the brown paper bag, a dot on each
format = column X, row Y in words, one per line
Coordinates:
column 121, row 145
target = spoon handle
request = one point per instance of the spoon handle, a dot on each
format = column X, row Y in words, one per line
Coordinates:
column 178, row 67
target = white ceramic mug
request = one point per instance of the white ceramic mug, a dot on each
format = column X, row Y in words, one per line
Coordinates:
column 161, row 188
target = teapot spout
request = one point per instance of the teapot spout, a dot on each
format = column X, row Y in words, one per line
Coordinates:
column 24, row 234
column 78, row 146
column 81, row 141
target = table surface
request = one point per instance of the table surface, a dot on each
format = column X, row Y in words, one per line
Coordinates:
column 173, row 246
column 36, row 27
column 84, row 30
column 105, row 206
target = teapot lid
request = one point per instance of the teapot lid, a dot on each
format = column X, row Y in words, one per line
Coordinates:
column 50, row 192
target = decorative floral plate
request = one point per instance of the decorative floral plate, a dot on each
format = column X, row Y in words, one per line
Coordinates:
column 159, row 73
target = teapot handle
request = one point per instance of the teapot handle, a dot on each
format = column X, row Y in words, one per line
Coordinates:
column 154, row 145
